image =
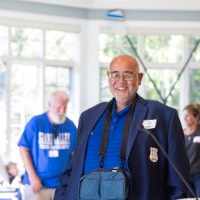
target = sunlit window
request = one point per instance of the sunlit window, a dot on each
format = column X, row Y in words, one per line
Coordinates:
column 3, row 111
column 194, row 85
column 3, row 40
column 163, row 59
column 194, row 42
column 113, row 45
column 32, row 76
column 60, row 45
column 104, row 89
column 164, row 92
column 26, row 42
column 25, row 99
column 57, row 77
column 163, row 48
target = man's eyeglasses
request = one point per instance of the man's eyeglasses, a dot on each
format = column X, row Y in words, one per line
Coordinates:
column 55, row 132
column 115, row 76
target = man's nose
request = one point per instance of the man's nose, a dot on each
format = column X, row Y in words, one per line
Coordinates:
column 122, row 78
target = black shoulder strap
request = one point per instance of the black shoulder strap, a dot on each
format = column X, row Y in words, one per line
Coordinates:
column 127, row 125
column 105, row 133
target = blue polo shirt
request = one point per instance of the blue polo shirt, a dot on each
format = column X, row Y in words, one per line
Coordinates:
column 111, row 159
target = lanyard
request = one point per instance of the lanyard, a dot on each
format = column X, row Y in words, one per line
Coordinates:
column 105, row 133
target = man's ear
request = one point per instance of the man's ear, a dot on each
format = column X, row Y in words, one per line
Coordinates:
column 140, row 75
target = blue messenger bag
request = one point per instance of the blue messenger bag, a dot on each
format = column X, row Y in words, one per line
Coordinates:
column 104, row 184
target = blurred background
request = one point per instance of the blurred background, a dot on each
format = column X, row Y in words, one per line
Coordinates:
column 64, row 44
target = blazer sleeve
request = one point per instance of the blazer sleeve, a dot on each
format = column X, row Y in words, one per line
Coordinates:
column 177, row 152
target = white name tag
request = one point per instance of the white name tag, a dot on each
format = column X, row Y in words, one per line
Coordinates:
column 149, row 124
column 196, row 139
column 53, row 153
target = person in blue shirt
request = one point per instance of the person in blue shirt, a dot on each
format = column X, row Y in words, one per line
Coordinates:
column 152, row 177
column 46, row 147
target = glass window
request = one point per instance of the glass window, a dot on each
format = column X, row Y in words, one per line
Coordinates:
column 104, row 90
column 194, row 86
column 57, row 77
column 25, row 100
column 3, row 111
column 113, row 45
column 61, row 45
column 31, row 78
column 192, row 43
column 3, row 41
column 163, row 49
column 26, row 42
column 109, row 47
column 164, row 80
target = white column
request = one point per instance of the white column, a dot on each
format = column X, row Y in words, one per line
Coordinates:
column 90, row 68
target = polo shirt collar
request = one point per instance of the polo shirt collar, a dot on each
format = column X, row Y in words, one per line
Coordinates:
column 121, row 112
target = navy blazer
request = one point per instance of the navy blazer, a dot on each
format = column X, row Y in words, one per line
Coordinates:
column 150, row 180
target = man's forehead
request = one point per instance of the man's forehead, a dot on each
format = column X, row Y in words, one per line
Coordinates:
column 123, row 67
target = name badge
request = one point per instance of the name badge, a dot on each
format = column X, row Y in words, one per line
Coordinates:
column 53, row 153
column 196, row 139
column 149, row 124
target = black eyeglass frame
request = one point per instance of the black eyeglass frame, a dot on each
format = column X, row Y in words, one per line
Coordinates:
column 115, row 76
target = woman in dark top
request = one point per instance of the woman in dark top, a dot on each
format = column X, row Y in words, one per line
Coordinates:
column 192, row 142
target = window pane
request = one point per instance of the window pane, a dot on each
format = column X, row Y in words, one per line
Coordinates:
column 192, row 43
column 164, row 80
column 163, row 49
column 3, row 41
column 113, row 45
column 61, row 45
column 194, row 85
column 57, row 78
column 26, row 42
column 105, row 94
column 109, row 47
column 3, row 112
column 26, row 100
column 26, row 92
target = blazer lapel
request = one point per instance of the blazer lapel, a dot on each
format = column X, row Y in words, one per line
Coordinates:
column 138, row 117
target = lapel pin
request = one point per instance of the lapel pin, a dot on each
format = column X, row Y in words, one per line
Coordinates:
column 153, row 154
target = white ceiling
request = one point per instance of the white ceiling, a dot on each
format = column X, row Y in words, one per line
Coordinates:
column 179, row 5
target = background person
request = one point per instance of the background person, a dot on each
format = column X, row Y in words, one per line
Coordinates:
column 46, row 147
column 152, row 177
column 4, row 178
column 192, row 143
column 15, row 178
column 13, row 172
